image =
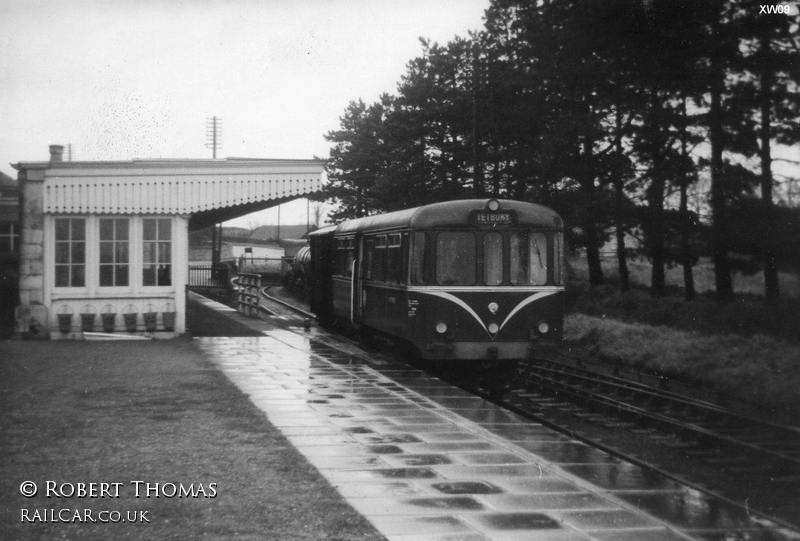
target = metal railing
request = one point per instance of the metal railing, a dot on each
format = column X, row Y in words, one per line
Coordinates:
column 209, row 276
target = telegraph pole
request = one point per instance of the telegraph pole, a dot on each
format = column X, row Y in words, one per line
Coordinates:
column 214, row 134
column 214, row 141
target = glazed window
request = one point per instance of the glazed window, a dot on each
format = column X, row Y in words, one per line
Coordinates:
column 9, row 238
column 379, row 259
column 418, row 259
column 455, row 259
column 70, row 252
column 528, row 258
column 113, row 252
column 492, row 259
column 344, row 257
column 369, row 256
column 394, row 259
column 157, row 256
column 403, row 270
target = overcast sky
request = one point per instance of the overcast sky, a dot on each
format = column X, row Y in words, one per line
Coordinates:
column 122, row 79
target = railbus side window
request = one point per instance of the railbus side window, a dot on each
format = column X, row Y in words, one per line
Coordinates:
column 455, row 258
column 404, row 259
column 349, row 256
column 492, row 259
column 369, row 257
column 343, row 259
column 418, row 259
column 379, row 261
column 394, row 259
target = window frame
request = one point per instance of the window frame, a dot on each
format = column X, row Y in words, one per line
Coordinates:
column 475, row 257
column 158, row 244
column 526, row 237
column 114, row 242
column 70, row 242
column 344, row 254
column 483, row 259
column 419, row 257
column 394, row 259
column 12, row 237
column 378, row 263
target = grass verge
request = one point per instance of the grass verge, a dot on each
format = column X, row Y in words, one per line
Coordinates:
column 155, row 412
column 745, row 316
column 758, row 369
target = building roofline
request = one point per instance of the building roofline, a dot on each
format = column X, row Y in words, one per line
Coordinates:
column 161, row 162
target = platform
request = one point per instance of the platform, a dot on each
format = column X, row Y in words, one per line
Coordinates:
column 424, row 460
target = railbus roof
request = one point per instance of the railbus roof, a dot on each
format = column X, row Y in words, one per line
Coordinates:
column 446, row 214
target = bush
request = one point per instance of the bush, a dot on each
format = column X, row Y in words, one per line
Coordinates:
column 747, row 315
column 757, row 369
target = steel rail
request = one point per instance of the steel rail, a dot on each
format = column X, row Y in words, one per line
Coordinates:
column 701, row 429
column 286, row 304
column 517, row 404
column 659, row 393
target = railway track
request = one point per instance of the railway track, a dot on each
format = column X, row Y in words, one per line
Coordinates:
column 742, row 459
column 748, row 461
column 713, row 426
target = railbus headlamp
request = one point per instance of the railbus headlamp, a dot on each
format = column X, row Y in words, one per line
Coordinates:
column 493, row 328
column 441, row 327
column 493, row 205
column 543, row 327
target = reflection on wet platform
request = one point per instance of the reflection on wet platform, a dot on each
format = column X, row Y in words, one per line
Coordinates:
column 424, row 460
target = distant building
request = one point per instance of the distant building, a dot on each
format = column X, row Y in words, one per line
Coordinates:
column 9, row 248
column 103, row 246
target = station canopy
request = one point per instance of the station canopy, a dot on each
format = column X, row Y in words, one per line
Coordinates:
column 210, row 191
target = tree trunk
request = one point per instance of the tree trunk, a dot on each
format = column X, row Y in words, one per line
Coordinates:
column 686, row 254
column 619, row 212
column 770, row 264
column 590, row 216
column 722, row 269
column 655, row 204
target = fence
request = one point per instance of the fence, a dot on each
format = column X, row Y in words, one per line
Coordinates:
column 209, row 276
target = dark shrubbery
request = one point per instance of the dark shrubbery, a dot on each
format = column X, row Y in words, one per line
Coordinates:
column 746, row 315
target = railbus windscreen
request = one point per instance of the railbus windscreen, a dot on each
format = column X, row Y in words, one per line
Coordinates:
column 455, row 258
column 488, row 258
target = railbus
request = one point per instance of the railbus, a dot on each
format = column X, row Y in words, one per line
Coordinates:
column 474, row 279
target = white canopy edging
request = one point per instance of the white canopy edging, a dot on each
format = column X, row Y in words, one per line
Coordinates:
column 175, row 187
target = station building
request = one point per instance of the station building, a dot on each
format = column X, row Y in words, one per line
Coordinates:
column 103, row 246
column 9, row 250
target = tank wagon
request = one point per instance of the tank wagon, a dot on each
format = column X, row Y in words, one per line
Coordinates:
column 476, row 279
column 296, row 271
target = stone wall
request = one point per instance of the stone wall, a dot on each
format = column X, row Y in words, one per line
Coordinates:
column 32, row 317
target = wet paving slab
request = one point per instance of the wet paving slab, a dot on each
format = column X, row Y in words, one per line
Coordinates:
column 423, row 460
